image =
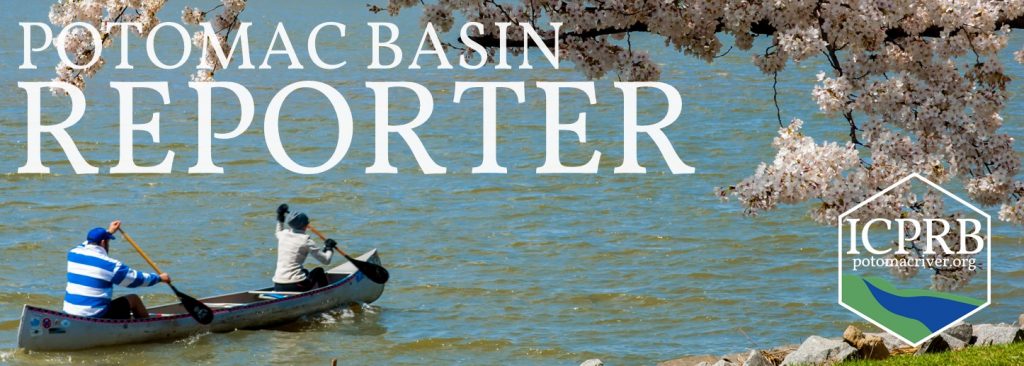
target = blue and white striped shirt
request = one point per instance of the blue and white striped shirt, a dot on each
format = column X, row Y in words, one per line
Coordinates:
column 91, row 276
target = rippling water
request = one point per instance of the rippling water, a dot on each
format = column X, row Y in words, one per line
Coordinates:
column 513, row 269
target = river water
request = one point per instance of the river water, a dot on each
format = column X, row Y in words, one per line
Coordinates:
column 486, row 269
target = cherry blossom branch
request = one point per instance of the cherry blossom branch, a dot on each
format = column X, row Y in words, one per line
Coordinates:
column 761, row 28
column 493, row 41
column 775, row 98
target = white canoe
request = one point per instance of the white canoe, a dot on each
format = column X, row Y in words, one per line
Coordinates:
column 49, row 330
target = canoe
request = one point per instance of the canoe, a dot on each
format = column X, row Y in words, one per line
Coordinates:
column 49, row 330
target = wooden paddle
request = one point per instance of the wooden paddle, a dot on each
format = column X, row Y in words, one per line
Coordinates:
column 199, row 311
column 372, row 271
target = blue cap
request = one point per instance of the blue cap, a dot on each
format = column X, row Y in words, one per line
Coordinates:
column 99, row 234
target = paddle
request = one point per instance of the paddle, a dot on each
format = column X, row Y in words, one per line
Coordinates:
column 199, row 311
column 372, row 271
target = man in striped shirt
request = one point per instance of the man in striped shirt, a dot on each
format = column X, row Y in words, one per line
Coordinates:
column 92, row 275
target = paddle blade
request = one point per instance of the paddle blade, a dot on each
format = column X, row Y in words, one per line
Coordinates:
column 199, row 311
column 372, row 271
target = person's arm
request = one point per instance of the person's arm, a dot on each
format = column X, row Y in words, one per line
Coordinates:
column 281, row 211
column 128, row 277
column 322, row 254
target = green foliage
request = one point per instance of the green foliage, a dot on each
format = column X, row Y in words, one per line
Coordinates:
column 992, row 355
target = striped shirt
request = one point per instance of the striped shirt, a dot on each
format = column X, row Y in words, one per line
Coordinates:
column 91, row 276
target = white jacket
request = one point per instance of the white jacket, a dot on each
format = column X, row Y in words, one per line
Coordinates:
column 292, row 249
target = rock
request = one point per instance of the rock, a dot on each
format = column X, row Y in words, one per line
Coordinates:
column 1020, row 321
column 891, row 342
column 935, row 345
column 989, row 334
column 870, row 347
column 592, row 362
column 962, row 331
column 853, row 335
column 955, row 343
column 819, row 351
column 756, row 358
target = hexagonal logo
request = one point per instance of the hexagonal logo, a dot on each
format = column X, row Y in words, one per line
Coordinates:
column 914, row 259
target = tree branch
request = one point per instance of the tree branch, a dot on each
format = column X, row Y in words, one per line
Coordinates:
column 492, row 41
column 762, row 27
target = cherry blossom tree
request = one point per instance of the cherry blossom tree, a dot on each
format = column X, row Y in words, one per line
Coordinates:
column 916, row 84
column 101, row 14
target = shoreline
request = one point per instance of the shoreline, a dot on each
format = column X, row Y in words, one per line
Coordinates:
column 854, row 344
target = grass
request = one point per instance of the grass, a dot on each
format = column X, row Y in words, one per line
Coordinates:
column 1012, row 354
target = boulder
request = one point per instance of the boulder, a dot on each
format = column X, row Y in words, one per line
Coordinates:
column 962, row 331
column 852, row 335
column 954, row 343
column 870, row 347
column 891, row 342
column 592, row 362
column 989, row 334
column 756, row 358
column 818, row 350
column 934, row 345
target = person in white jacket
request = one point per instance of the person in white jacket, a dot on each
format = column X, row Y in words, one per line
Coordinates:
column 293, row 246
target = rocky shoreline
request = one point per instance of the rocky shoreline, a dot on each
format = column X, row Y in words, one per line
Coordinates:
column 855, row 344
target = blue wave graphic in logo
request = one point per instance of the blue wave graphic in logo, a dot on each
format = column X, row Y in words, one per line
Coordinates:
column 934, row 312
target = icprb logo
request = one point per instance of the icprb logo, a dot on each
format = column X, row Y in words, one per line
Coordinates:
column 919, row 270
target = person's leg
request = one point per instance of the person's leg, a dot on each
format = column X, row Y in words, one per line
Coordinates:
column 287, row 287
column 318, row 276
column 119, row 308
column 139, row 310
column 301, row 286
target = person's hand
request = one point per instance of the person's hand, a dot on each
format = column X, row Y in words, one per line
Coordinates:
column 281, row 211
column 114, row 225
column 165, row 278
column 329, row 245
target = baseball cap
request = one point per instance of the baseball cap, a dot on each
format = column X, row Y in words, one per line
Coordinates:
column 298, row 221
column 99, row 234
